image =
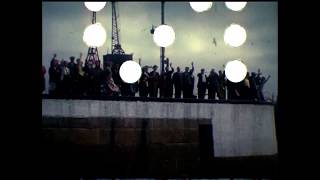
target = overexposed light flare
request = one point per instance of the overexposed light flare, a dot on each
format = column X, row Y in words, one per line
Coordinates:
column 94, row 35
column 235, row 71
column 235, row 35
column 164, row 35
column 130, row 71
column 236, row 6
column 201, row 6
column 95, row 6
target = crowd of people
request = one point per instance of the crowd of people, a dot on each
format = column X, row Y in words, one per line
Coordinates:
column 74, row 78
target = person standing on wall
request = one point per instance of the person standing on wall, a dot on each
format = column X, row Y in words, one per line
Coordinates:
column 177, row 79
column 187, row 82
column 153, row 82
column 202, row 84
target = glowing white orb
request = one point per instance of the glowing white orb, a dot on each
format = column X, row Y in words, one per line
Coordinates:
column 201, row 6
column 95, row 6
column 94, row 35
column 235, row 35
column 130, row 71
column 236, row 6
column 164, row 35
column 235, row 71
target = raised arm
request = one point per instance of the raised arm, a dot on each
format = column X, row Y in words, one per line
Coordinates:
column 192, row 69
column 267, row 79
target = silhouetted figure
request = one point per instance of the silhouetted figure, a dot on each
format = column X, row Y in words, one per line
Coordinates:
column 43, row 79
column 253, row 86
column 232, row 90
column 143, row 82
column 153, row 81
column 162, row 84
column 97, row 79
column 213, row 84
column 73, row 72
column 258, row 81
column 187, row 82
column 64, row 87
column 89, row 70
column 221, row 87
column 260, row 88
column 177, row 79
column 168, row 82
column 244, row 88
column 129, row 89
column 54, row 75
column 192, row 86
column 202, row 84
column 80, row 79
column 115, row 74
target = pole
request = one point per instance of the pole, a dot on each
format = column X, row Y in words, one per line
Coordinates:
column 162, row 49
column 93, row 17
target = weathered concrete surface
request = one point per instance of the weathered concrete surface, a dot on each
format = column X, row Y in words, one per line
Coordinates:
column 237, row 129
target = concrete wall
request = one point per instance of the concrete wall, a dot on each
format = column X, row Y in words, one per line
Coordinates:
column 237, row 129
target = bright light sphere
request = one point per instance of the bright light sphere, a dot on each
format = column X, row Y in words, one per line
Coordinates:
column 236, row 6
column 201, row 6
column 130, row 71
column 94, row 35
column 235, row 35
column 95, row 6
column 235, row 71
column 164, row 35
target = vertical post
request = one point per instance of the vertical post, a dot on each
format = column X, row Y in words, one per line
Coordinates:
column 162, row 49
column 93, row 17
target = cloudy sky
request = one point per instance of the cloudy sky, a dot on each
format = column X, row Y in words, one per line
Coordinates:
column 63, row 24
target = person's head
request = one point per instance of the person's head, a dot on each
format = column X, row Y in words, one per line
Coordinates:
column 178, row 69
column 72, row 59
column 155, row 67
column 263, row 78
column 186, row 69
column 253, row 74
column 202, row 71
column 212, row 71
column 220, row 72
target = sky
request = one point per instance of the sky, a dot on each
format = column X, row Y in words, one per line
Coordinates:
column 63, row 24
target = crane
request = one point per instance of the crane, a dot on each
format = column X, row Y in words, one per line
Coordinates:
column 115, row 42
column 117, row 56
